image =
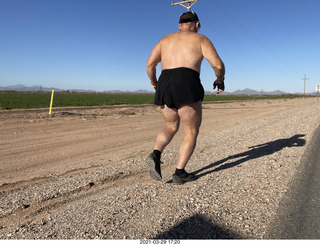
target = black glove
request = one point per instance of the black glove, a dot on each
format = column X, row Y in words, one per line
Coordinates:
column 219, row 84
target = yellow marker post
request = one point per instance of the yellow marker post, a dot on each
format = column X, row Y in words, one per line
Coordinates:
column 51, row 102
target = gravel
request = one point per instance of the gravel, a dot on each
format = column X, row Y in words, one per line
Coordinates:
column 243, row 172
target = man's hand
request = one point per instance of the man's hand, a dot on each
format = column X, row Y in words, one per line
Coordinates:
column 220, row 85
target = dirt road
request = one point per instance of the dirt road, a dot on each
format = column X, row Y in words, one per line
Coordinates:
column 50, row 165
column 33, row 145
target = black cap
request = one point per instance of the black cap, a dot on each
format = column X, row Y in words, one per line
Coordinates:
column 188, row 17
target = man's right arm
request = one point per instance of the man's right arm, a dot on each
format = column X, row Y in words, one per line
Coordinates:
column 154, row 59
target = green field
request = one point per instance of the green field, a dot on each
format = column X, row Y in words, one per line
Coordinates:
column 26, row 100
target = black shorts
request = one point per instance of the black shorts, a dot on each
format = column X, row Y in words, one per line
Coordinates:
column 177, row 87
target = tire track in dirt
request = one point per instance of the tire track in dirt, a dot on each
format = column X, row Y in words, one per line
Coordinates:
column 31, row 211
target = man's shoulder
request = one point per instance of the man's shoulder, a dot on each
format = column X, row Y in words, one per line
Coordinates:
column 202, row 36
column 171, row 35
column 184, row 37
column 183, row 34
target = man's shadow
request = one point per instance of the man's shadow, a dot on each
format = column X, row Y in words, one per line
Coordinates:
column 254, row 152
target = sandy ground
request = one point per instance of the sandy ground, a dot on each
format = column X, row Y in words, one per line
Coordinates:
column 34, row 145
column 35, row 148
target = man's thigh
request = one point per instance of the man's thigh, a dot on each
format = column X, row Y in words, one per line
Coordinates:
column 191, row 115
column 170, row 116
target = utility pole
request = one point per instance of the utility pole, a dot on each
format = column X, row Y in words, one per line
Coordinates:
column 182, row 4
column 305, row 80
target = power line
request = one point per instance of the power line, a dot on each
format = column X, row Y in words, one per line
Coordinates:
column 245, row 29
column 238, row 43
column 243, row 47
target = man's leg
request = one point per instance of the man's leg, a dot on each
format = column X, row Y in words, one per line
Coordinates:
column 164, row 137
column 191, row 117
column 172, row 122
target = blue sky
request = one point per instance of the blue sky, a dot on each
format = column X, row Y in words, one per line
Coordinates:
column 103, row 45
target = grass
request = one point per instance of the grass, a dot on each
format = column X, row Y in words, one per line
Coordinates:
column 27, row 100
column 212, row 98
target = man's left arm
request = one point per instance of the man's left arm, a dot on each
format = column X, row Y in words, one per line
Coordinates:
column 210, row 53
column 152, row 62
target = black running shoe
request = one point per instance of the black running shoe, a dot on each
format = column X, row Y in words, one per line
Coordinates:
column 153, row 164
column 180, row 180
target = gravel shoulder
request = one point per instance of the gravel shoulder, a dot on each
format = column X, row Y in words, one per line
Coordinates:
column 81, row 174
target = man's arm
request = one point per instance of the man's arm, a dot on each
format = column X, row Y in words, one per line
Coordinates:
column 152, row 62
column 211, row 55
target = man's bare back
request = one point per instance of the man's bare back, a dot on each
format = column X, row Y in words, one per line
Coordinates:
column 181, row 49
column 187, row 49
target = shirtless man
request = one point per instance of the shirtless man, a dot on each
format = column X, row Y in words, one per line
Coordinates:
column 179, row 91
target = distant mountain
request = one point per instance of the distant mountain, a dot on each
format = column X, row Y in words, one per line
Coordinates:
column 141, row 91
column 276, row 92
column 245, row 91
column 25, row 88
column 248, row 91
